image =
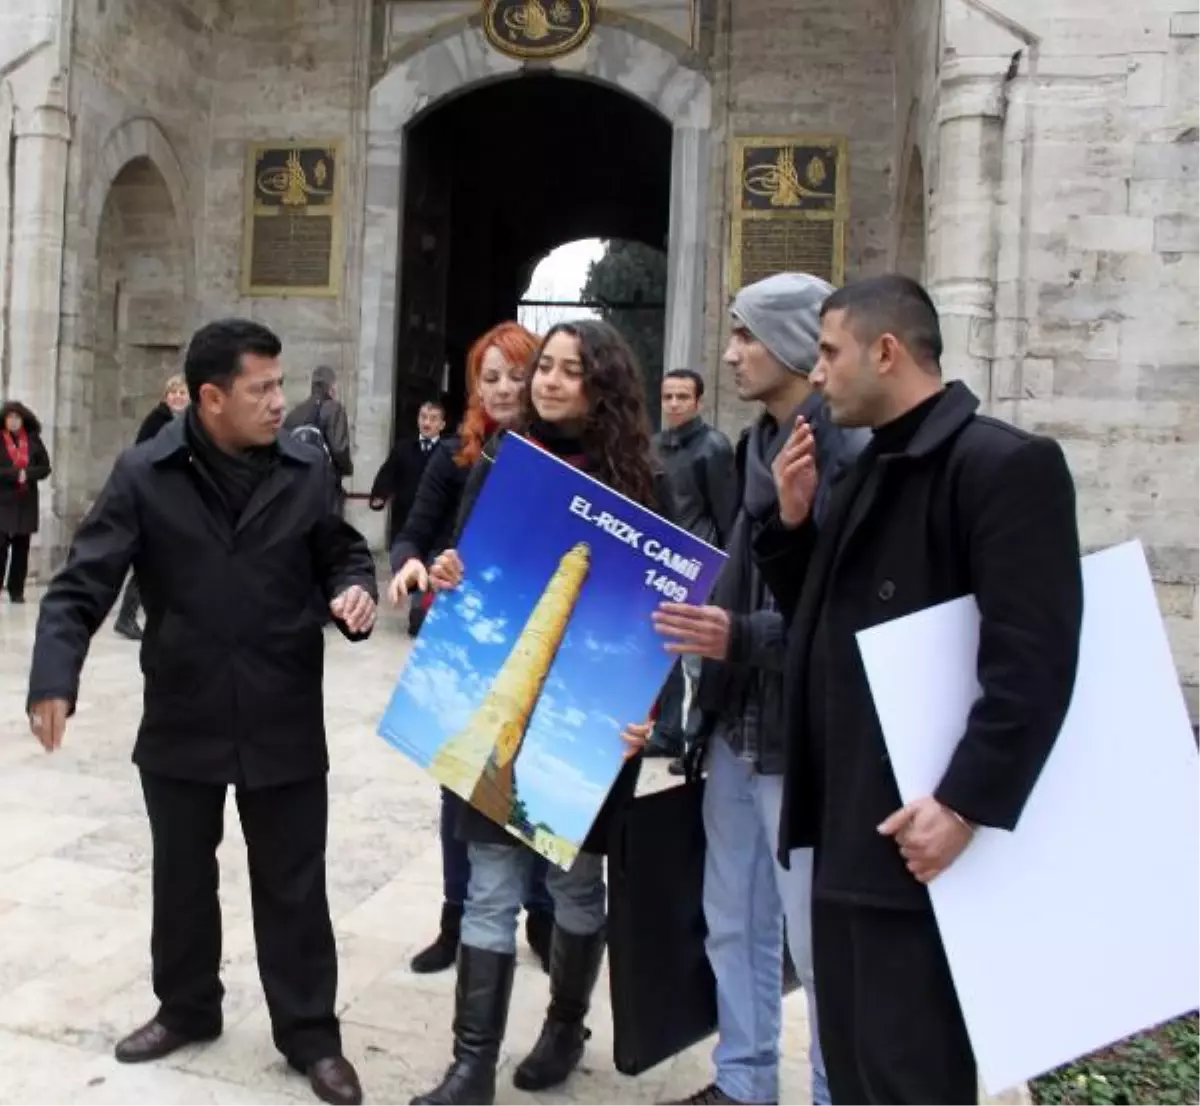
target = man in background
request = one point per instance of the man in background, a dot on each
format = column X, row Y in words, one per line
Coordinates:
column 698, row 460
column 321, row 420
column 399, row 476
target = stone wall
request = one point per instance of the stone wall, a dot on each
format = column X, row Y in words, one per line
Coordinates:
column 288, row 69
column 824, row 67
column 1095, row 337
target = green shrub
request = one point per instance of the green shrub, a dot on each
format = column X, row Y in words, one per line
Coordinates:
column 1160, row 1066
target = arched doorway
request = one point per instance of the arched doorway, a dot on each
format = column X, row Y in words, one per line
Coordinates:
column 496, row 178
column 139, row 313
column 623, row 56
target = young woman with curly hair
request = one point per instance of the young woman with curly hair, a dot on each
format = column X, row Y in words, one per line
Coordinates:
column 584, row 402
column 497, row 366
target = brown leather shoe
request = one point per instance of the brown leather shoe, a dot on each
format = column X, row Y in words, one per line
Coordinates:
column 153, row 1041
column 334, row 1080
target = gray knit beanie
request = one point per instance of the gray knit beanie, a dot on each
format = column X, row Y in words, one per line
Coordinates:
column 784, row 313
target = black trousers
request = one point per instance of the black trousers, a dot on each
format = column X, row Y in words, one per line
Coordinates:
column 17, row 561
column 285, row 831
column 891, row 1027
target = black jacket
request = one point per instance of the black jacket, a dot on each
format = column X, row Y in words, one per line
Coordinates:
column 757, row 631
column 19, row 510
column 429, row 525
column 233, row 654
column 700, row 468
column 158, row 418
column 972, row 506
column 400, row 477
column 477, row 827
column 328, row 416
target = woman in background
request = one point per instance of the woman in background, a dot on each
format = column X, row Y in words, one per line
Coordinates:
column 174, row 402
column 585, row 403
column 497, row 365
column 24, row 463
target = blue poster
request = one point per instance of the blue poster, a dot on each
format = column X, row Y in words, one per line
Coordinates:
column 522, row 679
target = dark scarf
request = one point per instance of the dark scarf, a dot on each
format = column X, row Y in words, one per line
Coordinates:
column 564, row 446
column 235, row 475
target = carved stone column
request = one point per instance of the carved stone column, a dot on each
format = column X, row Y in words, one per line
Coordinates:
column 43, row 138
column 970, row 140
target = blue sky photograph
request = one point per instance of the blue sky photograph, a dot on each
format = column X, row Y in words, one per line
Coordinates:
column 611, row 664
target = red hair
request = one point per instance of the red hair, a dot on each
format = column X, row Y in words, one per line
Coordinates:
column 518, row 346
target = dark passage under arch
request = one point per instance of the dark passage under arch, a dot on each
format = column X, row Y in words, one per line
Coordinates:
column 495, row 179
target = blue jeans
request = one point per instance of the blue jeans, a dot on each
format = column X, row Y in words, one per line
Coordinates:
column 747, row 898
column 456, row 865
column 500, row 875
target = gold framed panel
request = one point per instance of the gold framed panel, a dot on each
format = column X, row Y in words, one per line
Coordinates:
column 789, row 203
column 292, row 223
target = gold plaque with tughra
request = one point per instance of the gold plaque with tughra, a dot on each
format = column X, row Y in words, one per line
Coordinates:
column 479, row 762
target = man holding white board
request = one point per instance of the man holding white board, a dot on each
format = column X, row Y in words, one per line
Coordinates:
column 943, row 503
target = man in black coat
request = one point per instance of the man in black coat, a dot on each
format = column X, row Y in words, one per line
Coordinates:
column 943, row 503
column 230, row 529
column 400, row 475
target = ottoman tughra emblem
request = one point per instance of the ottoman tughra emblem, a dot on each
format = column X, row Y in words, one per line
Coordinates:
column 537, row 28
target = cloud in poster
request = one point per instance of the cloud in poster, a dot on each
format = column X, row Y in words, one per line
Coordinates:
column 470, row 608
column 491, row 575
column 444, row 689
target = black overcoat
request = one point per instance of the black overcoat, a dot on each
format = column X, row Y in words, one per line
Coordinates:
column 233, row 653
column 429, row 523
column 972, row 506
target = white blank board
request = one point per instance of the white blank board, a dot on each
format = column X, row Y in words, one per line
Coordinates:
column 1080, row 927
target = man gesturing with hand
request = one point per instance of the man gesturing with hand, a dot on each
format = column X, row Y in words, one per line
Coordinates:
column 942, row 503
column 230, row 530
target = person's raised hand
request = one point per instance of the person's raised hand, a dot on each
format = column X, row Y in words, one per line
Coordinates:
column 795, row 472
column 446, row 572
column 696, row 631
column 411, row 577
column 355, row 608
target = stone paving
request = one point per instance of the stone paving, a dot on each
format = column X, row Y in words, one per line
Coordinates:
column 75, row 913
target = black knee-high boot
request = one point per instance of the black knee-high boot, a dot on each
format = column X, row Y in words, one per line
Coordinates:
column 480, row 1015
column 574, row 967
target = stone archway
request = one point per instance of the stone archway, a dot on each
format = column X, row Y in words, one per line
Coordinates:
column 623, row 54
column 131, row 294
column 911, row 247
column 139, row 312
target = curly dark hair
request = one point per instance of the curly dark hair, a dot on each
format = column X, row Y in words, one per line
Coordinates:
column 616, row 432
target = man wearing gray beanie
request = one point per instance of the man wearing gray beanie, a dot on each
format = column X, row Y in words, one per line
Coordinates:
column 738, row 716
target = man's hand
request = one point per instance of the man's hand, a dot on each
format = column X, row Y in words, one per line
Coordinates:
column 698, row 631
column 48, row 722
column 355, row 608
column 411, row 577
column 377, row 504
column 931, row 837
column 636, row 736
column 446, row 573
column 795, row 472
column 22, row 476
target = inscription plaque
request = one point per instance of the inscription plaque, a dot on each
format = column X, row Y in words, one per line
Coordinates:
column 292, row 239
column 790, row 205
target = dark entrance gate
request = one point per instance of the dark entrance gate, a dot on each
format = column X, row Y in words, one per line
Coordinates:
column 496, row 178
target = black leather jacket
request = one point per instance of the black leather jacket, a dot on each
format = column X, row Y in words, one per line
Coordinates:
column 698, row 461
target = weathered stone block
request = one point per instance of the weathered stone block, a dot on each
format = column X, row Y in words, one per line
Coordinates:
column 1170, row 382
column 1177, row 233
column 1167, row 160
column 1185, row 24
column 1133, row 233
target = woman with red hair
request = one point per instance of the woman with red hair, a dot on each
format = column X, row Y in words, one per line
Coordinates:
column 497, row 365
